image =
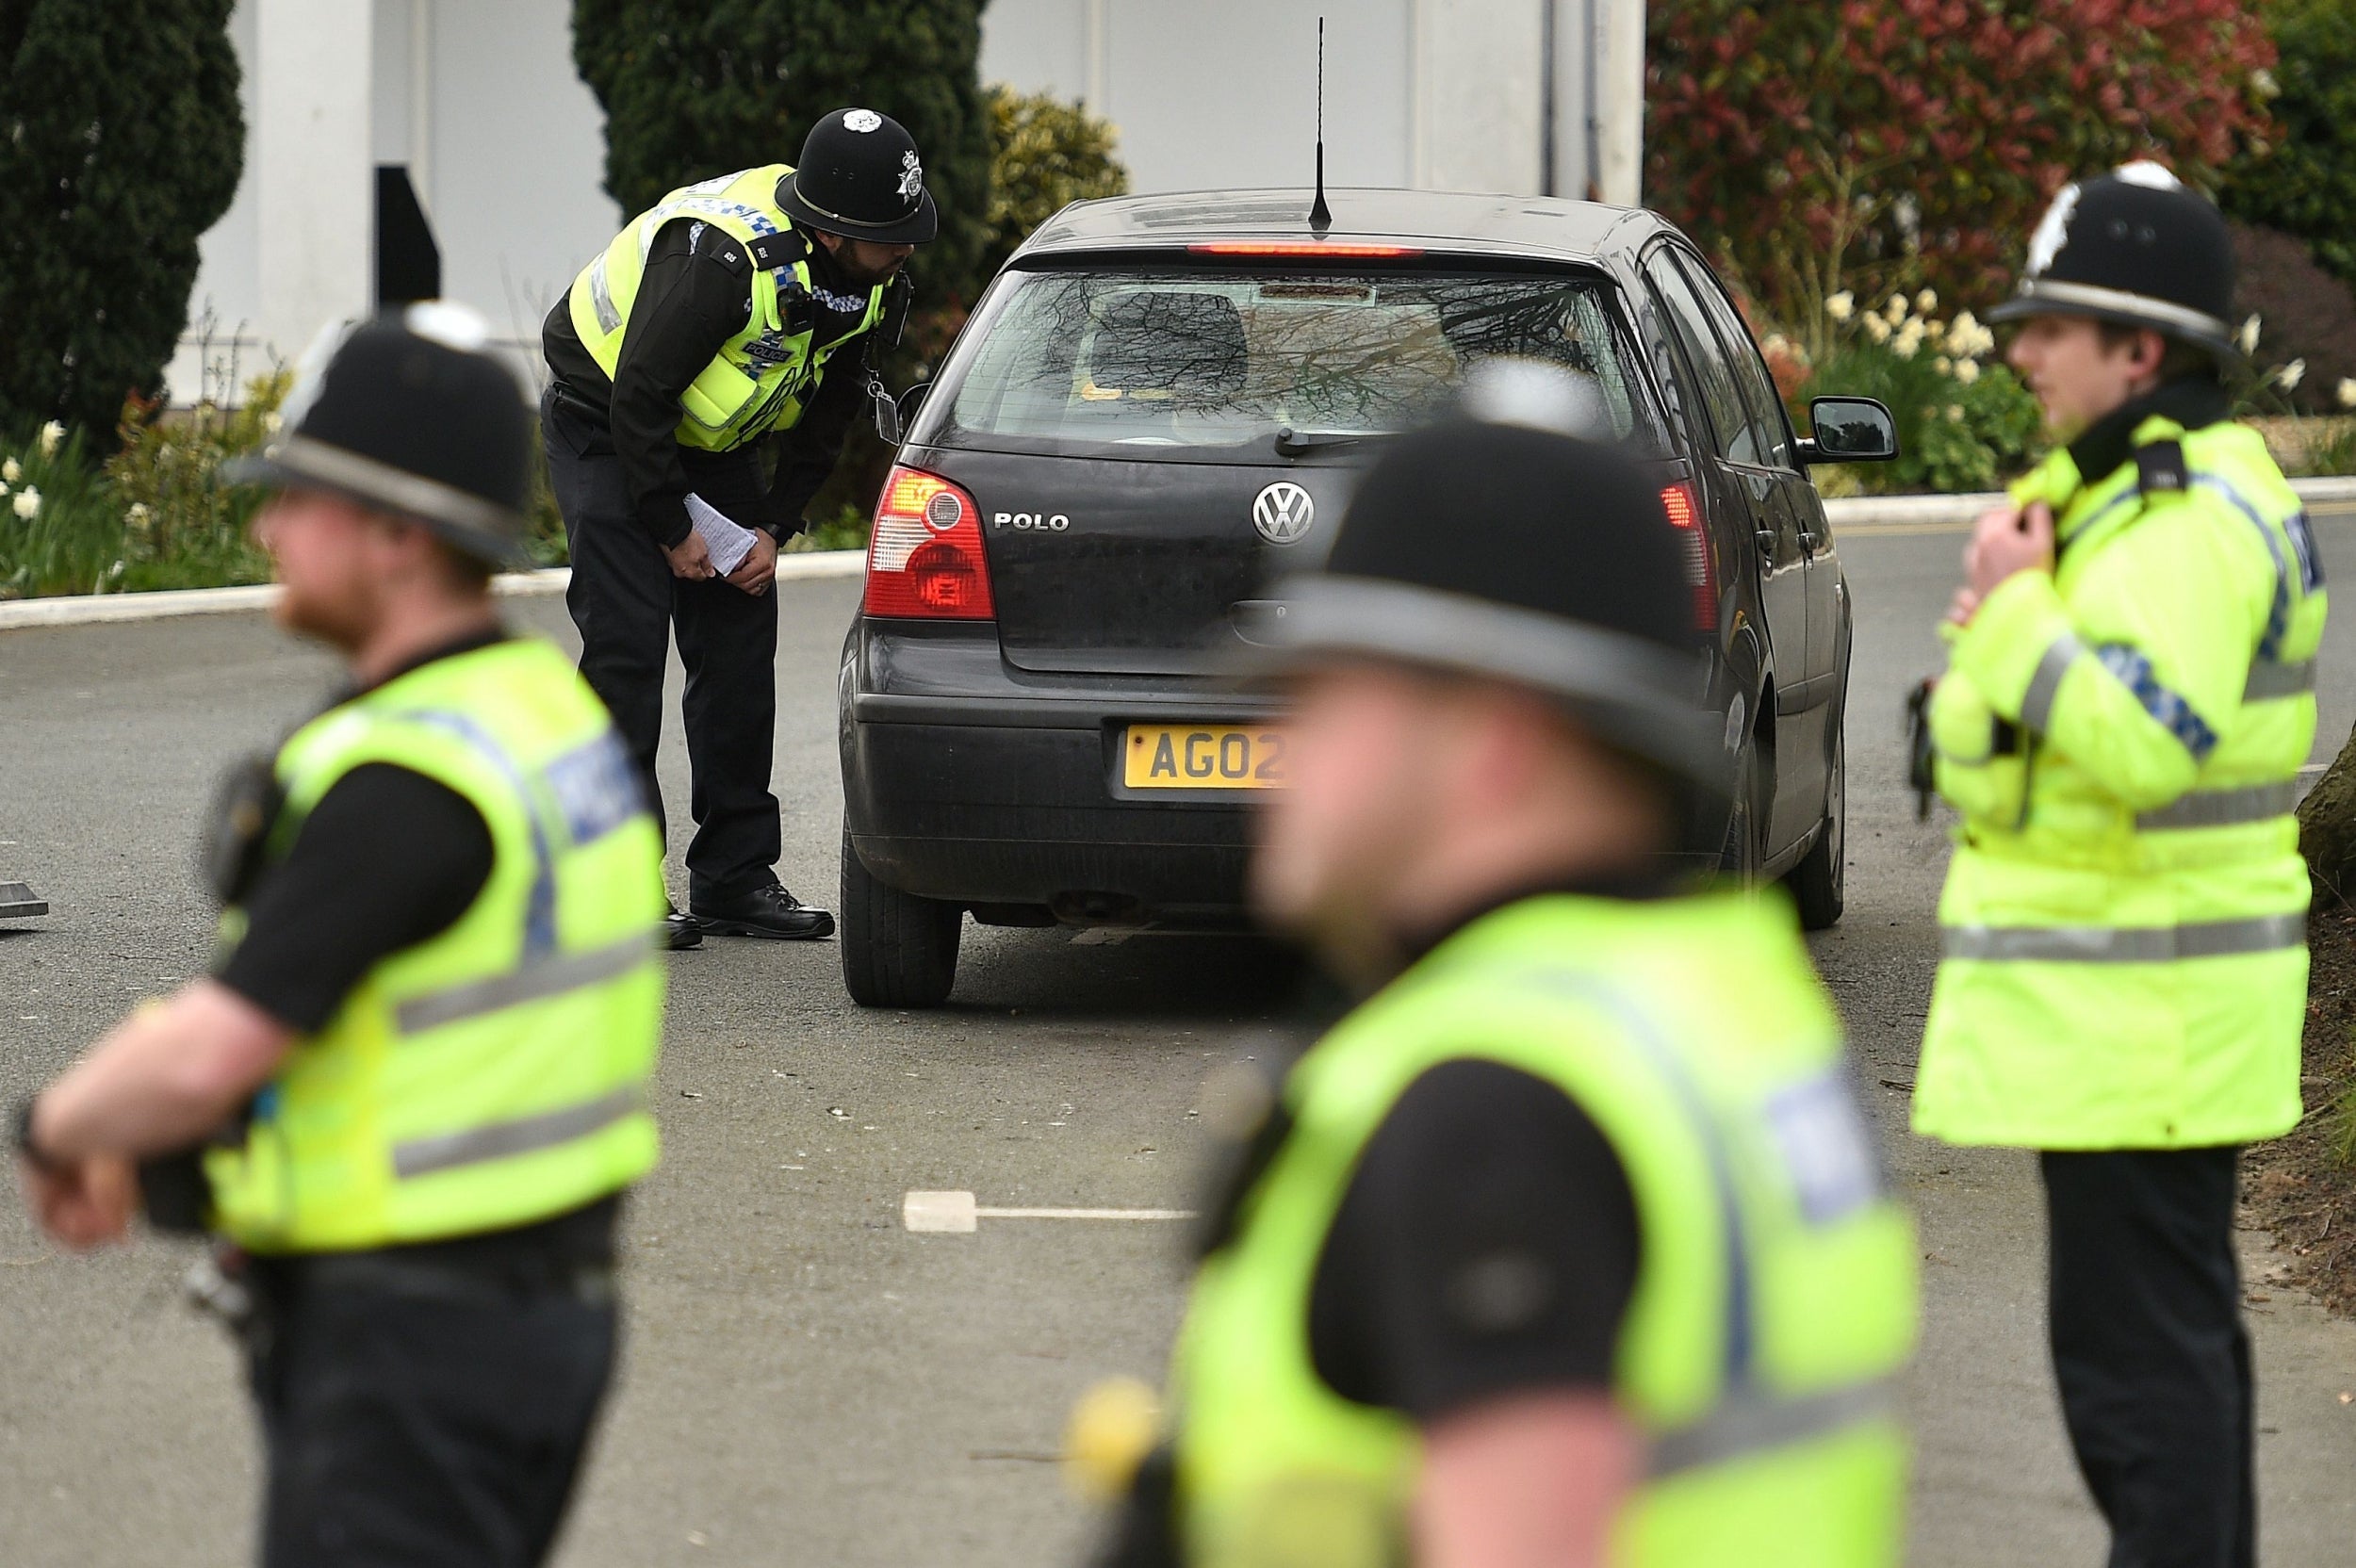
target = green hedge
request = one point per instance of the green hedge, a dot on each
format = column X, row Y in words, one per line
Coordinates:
column 2302, row 179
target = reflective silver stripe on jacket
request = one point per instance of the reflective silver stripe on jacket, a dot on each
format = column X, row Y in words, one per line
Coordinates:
column 2123, row 945
column 2224, row 808
column 2270, row 680
column 601, row 297
column 1749, row 1422
column 2037, row 706
column 524, row 1135
column 568, row 971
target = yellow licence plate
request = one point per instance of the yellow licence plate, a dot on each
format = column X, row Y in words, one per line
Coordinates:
column 1203, row 756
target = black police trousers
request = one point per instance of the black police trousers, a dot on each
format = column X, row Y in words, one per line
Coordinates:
column 422, row 1426
column 2150, row 1352
column 626, row 605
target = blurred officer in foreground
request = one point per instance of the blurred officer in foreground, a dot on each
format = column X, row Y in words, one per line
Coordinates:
column 729, row 327
column 2128, row 699
column 416, row 1074
column 1569, row 1243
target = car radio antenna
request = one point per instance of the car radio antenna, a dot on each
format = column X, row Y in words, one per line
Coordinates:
column 1320, row 216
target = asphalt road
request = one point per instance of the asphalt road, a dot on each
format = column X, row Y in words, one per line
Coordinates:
column 805, row 1382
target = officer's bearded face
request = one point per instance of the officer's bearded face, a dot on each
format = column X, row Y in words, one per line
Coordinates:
column 326, row 552
column 2075, row 375
column 867, row 264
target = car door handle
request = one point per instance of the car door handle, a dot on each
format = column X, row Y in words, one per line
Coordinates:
column 1766, row 538
column 1809, row 541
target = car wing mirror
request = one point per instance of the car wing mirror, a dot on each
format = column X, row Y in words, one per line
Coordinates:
column 1849, row 430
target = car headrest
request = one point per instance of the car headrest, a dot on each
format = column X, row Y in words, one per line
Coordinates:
column 1183, row 342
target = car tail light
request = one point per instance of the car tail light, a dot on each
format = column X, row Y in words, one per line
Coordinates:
column 925, row 557
column 1345, row 250
column 1701, row 570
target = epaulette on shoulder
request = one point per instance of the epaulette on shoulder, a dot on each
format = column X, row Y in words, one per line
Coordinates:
column 2161, row 469
column 773, row 250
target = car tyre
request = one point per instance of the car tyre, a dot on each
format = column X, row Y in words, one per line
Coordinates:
column 1819, row 883
column 1744, row 851
column 898, row 950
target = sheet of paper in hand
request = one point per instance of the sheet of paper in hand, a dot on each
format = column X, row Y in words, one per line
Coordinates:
column 728, row 543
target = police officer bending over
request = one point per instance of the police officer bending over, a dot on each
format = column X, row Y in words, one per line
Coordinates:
column 2129, row 695
column 418, row 1068
column 1568, row 1243
column 737, row 316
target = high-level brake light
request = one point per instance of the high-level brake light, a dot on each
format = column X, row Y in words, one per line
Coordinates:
column 1701, row 569
column 924, row 557
column 1329, row 250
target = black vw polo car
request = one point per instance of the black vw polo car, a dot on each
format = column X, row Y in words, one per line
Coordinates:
column 1162, row 403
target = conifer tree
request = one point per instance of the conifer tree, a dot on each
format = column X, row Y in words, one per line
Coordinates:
column 121, row 143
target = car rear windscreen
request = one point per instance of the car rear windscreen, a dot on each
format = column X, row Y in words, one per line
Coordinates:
column 1188, row 363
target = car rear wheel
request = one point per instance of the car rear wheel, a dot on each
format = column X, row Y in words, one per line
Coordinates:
column 1744, row 851
column 1819, row 883
column 898, row 950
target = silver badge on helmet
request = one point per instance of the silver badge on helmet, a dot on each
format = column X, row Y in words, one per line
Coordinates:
column 2052, row 232
column 911, row 177
column 861, row 119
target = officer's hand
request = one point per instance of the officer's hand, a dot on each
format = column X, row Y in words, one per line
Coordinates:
column 1965, row 605
column 690, row 559
column 759, row 569
column 2004, row 542
column 82, row 1203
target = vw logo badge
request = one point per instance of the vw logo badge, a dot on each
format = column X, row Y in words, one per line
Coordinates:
column 1283, row 513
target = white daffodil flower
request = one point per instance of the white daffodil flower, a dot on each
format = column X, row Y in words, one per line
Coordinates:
column 27, row 504
column 1968, row 371
column 51, row 434
column 11, row 470
column 2348, row 392
column 1876, row 328
column 1927, row 301
column 2292, row 374
column 1842, row 305
column 1895, row 309
column 2249, row 337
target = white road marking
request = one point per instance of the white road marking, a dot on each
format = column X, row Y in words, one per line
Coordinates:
column 959, row 1214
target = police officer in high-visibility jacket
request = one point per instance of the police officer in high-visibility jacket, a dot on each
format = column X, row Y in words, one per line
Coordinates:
column 412, row 1090
column 2128, row 700
column 736, row 316
column 1569, row 1245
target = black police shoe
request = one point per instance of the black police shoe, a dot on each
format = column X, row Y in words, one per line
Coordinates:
column 766, row 911
column 681, row 931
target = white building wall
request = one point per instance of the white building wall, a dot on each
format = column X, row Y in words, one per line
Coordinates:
column 517, row 160
column 504, row 143
column 1436, row 95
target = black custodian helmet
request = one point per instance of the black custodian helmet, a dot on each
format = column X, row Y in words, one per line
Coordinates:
column 859, row 177
column 412, row 413
column 2136, row 247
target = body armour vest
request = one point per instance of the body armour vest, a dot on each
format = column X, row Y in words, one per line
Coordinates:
column 494, row 1074
column 765, row 376
column 1774, row 1295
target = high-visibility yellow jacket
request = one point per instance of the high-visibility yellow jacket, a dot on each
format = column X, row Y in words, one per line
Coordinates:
column 765, row 375
column 495, row 1074
column 1774, row 1295
column 2124, row 921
